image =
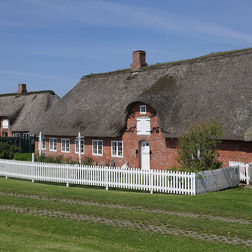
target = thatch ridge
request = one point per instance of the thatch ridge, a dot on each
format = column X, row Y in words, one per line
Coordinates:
column 29, row 93
column 207, row 57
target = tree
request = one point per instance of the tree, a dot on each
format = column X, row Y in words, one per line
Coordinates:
column 7, row 151
column 198, row 147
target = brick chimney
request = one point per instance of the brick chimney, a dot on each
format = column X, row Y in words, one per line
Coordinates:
column 22, row 88
column 139, row 60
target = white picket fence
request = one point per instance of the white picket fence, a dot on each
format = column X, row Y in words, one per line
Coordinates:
column 148, row 180
column 245, row 171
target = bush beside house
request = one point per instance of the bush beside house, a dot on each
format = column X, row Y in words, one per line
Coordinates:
column 198, row 147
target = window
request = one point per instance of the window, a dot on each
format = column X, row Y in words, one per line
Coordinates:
column 5, row 134
column 53, row 144
column 197, row 154
column 26, row 135
column 77, row 146
column 143, row 126
column 143, row 109
column 43, row 143
column 65, row 145
column 5, row 124
column 97, row 148
column 16, row 134
column 116, row 148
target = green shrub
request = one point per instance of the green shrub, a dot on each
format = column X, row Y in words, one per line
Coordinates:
column 49, row 159
column 7, row 150
column 59, row 160
column 88, row 161
column 23, row 156
column 198, row 147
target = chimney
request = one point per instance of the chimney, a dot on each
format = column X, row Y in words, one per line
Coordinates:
column 139, row 60
column 22, row 88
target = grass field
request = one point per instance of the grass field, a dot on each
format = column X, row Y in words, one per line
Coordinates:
column 47, row 217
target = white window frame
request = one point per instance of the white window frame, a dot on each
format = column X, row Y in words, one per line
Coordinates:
column 77, row 146
column 144, row 133
column 5, row 123
column 16, row 134
column 144, row 109
column 64, row 146
column 198, row 154
column 53, row 140
column 43, row 143
column 26, row 134
column 117, row 147
column 97, row 141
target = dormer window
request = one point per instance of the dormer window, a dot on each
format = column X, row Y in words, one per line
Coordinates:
column 142, row 109
column 5, row 124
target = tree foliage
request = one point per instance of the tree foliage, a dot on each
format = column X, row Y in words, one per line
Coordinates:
column 7, row 150
column 198, row 147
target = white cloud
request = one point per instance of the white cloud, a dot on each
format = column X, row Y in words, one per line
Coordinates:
column 111, row 14
column 114, row 14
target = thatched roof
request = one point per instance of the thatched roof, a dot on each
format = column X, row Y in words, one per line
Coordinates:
column 214, row 86
column 25, row 110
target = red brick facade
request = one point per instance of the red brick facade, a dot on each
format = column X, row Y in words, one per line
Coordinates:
column 163, row 150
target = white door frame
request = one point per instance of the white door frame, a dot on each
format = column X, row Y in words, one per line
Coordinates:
column 145, row 155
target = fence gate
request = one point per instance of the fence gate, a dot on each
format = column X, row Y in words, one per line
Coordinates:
column 245, row 171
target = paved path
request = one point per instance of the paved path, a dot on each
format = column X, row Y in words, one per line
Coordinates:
column 141, row 209
column 159, row 229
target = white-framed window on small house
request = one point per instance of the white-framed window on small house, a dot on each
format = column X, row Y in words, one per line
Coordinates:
column 43, row 143
column 53, row 144
column 197, row 154
column 116, row 148
column 97, row 147
column 5, row 123
column 16, row 134
column 26, row 135
column 65, row 145
column 143, row 126
column 143, row 109
column 77, row 146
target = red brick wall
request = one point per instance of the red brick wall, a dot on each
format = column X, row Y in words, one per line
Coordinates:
column 235, row 151
column 164, row 151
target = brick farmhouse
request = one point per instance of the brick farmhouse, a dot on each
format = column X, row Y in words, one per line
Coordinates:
column 136, row 115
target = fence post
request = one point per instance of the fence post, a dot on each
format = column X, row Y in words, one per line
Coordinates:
column 33, row 167
column 67, row 184
column 107, row 178
column 249, row 173
column 194, row 183
column 152, row 180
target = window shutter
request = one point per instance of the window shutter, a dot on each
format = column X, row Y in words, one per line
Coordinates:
column 143, row 126
column 146, row 126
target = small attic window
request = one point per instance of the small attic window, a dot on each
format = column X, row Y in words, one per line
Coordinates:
column 143, row 109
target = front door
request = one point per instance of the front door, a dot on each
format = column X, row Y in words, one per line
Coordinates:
column 145, row 155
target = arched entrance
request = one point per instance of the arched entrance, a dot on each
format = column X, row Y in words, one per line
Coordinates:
column 145, row 155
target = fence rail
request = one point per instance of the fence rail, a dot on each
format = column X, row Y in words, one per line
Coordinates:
column 148, row 180
column 245, row 170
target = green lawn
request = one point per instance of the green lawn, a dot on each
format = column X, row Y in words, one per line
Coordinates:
column 24, row 232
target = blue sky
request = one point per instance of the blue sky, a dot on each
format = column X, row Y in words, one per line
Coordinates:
column 51, row 44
